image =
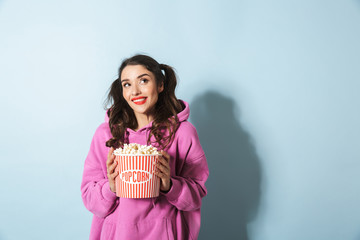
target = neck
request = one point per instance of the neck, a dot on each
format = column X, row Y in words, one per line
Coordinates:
column 143, row 120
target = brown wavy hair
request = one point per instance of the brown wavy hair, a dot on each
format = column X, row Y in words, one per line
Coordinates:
column 121, row 116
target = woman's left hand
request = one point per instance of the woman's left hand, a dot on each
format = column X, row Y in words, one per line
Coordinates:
column 163, row 171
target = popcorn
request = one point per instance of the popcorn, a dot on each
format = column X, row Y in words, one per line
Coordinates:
column 136, row 149
column 136, row 169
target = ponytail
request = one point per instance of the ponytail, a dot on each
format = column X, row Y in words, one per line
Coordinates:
column 170, row 83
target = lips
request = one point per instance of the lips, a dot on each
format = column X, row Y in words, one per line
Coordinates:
column 139, row 100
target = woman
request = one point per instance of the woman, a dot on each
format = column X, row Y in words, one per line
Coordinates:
column 144, row 110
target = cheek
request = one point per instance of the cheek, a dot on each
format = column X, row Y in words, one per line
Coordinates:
column 155, row 96
column 124, row 94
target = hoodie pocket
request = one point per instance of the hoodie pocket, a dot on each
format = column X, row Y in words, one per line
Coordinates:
column 160, row 229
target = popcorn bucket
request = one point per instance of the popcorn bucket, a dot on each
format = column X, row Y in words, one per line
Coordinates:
column 136, row 177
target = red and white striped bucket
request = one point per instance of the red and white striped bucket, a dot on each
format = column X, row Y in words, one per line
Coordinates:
column 136, row 177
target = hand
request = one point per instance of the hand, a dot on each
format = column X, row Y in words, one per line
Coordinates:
column 111, row 167
column 162, row 170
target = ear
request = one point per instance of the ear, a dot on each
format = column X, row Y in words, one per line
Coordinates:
column 161, row 87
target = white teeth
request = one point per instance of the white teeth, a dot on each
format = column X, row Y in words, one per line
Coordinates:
column 139, row 100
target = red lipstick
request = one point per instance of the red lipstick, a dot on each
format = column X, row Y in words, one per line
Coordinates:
column 137, row 100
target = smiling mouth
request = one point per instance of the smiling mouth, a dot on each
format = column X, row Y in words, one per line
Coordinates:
column 139, row 101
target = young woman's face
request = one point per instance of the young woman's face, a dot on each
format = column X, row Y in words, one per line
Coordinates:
column 140, row 89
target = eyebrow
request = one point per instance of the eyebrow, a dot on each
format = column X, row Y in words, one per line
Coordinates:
column 140, row 76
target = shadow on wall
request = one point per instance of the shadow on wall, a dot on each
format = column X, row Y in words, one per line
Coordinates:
column 235, row 174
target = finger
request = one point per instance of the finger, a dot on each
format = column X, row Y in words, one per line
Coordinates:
column 114, row 175
column 163, row 169
column 161, row 175
column 165, row 154
column 163, row 166
column 110, row 160
column 111, row 151
column 112, row 167
column 163, row 161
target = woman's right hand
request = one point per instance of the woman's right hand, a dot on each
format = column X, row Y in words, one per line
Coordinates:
column 111, row 167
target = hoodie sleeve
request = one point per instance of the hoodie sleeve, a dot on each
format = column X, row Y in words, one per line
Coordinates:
column 95, row 190
column 188, row 186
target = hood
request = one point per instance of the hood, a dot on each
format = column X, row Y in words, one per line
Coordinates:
column 183, row 115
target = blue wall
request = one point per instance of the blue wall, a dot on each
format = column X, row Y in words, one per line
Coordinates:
column 274, row 93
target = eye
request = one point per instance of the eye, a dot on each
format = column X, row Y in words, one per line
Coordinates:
column 126, row 85
column 143, row 81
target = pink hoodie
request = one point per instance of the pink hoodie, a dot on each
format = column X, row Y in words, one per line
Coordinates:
column 172, row 215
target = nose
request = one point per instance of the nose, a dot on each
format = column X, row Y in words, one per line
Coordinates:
column 135, row 90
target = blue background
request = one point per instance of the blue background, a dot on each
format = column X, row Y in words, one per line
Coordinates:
column 274, row 93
